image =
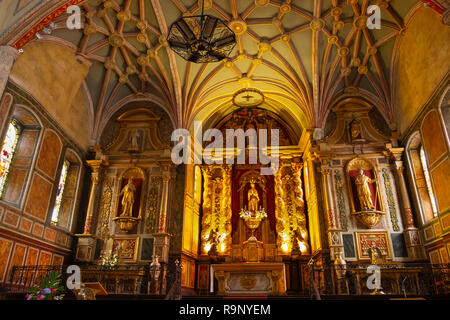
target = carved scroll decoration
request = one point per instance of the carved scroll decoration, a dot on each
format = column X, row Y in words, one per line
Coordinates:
column 152, row 205
column 391, row 201
column 339, row 184
column 105, row 208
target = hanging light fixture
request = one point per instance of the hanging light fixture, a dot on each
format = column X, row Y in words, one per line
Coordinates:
column 201, row 38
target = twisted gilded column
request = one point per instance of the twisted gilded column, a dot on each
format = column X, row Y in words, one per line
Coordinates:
column 216, row 220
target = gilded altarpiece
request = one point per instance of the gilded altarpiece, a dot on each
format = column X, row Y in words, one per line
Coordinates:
column 361, row 185
column 131, row 199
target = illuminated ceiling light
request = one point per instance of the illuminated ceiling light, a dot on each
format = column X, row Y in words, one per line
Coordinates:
column 201, row 38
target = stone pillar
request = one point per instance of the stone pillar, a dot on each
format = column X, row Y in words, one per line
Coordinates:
column 333, row 230
column 411, row 233
column 7, row 57
column 161, row 242
column 87, row 240
column 162, row 225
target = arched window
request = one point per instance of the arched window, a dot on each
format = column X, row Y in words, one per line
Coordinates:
column 60, row 191
column 61, row 215
column 426, row 172
column 421, row 179
column 7, row 153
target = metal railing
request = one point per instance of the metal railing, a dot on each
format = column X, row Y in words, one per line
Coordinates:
column 403, row 279
column 121, row 280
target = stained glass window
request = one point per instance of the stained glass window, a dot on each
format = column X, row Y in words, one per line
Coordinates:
column 423, row 160
column 9, row 146
column 60, row 191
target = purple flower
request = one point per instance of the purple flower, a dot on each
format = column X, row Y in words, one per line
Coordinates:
column 46, row 291
column 29, row 297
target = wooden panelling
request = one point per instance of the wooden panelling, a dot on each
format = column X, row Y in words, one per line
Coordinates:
column 39, row 197
column 5, row 251
column 433, row 137
column 441, row 178
column 49, row 154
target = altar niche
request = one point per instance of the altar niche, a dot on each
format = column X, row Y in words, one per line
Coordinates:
column 129, row 199
column 252, row 193
column 365, row 199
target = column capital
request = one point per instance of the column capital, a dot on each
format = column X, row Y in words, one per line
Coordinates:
column 96, row 165
column 395, row 154
column 8, row 52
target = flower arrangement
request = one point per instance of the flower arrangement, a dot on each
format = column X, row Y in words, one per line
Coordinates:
column 50, row 288
column 259, row 214
column 110, row 262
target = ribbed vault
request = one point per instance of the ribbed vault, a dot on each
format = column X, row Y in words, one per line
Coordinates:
column 300, row 54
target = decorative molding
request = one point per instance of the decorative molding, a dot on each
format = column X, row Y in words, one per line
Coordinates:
column 339, row 184
column 391, row 200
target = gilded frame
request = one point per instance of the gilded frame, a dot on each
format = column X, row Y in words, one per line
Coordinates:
column 358, row 244
column 136, row 248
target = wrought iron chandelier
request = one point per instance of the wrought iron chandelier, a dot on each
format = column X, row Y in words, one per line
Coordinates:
column 201, row 38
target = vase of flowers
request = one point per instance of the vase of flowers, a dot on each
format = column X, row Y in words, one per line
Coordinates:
column 110, row 262
column 50, row 288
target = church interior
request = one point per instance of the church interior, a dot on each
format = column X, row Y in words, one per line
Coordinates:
column 92, row 91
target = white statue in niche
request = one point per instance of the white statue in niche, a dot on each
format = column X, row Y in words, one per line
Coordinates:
column 134, row 141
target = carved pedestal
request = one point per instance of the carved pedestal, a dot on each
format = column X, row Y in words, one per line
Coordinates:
column 161, row 246
column 85, row 247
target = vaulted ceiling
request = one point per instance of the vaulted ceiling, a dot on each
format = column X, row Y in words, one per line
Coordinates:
column 302, row 54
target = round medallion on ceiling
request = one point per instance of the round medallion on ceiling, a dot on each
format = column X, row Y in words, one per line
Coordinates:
column 360, row 22
column 238, row 26
column 261, row 3
column 248, row 97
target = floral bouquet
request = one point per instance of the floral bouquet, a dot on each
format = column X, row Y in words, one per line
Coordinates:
column 50, row 288
column 110, row 262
